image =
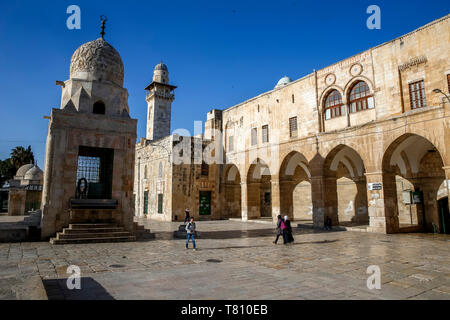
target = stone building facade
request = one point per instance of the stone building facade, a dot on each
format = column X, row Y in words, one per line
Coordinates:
column 168, row 179
column 362, row 142
column 89, row 164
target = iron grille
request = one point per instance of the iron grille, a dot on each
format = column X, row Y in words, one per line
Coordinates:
column 89, row 168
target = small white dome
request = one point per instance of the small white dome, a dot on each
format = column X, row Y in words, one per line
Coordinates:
column 23, row 169
column 283, row 81
column 161, row 66
column 35, row 173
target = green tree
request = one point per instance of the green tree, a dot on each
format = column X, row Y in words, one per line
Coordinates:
column 21, row 156
column 7, row 170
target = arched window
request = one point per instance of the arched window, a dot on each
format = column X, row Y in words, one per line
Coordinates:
column 360, row 98
column 99, row 108
column 333, row 105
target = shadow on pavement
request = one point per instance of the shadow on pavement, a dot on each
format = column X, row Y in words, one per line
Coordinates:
column 90, row 290
column 231, row 234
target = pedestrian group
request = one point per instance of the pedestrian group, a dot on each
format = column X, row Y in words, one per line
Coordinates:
column 284, row 229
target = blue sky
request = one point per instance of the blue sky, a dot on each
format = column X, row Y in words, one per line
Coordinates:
column 219, row 53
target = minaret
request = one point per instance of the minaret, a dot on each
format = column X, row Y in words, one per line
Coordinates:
column 159, row 103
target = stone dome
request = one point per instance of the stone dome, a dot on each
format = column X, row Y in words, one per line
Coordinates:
column 35, row 173
column 23, row 169
column 97, row 60
column 161, row 66
column 283, row 81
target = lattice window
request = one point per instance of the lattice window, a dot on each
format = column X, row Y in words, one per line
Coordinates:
column 265, row 133
column 360, row 98
column 96, row 166
column 333, row 105
column 293, row 127
column 89, row 168
column 448, row 82
column 417, row 94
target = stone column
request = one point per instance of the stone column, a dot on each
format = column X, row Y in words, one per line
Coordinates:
column 428, row 210
column 287, row 200
column 47, row 221
column 253, row 200
column 276, row 199
column 318, row 201
column 244, row 200
column 382, row 204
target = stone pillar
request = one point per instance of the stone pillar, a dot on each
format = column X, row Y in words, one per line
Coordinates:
column 244, row 200
column 287, row 200
column 253, row 200
column 382, row 204
column 428, row 210
column 318, row 201
column 276, row 199
column 331, row 199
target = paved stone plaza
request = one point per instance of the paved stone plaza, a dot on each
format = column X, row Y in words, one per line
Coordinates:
column 234, row 260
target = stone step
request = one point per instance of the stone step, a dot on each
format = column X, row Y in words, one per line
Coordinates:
column 93, row 230
column 92, row 240
column 91, row 225
column 92, row 235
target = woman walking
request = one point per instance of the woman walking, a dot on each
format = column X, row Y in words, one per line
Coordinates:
column 287, row 232
column 279, row 230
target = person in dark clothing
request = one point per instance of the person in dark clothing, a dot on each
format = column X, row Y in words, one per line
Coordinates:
column 327, row 224
column 187, row 218
column 279, row 230
column 287, row 232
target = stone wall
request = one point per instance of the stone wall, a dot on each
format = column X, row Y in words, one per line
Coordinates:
column 67, row 132
column 371, row 135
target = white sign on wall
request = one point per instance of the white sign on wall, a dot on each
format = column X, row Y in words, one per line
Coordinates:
column 375, row 186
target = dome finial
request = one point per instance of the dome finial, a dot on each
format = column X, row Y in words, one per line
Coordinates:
column 103, row 20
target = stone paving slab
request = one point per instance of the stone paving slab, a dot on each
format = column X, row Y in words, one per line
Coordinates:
column 236, row 260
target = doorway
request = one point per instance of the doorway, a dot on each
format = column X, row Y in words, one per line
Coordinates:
column 204, row 203
column 444, row 215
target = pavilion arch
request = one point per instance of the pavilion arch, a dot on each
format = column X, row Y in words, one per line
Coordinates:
column 232, row 185
column 345, row 187
column 413, row 161
column 259, row 190
column 432, row 137
column 295, row 188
